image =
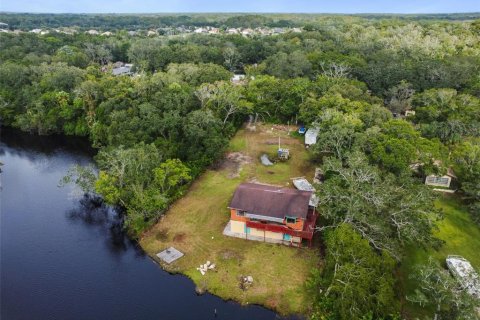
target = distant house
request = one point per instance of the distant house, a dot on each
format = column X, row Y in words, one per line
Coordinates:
column 182, row 29
column 66, row 31
column 271, row 214
column 438, row 181
column 151, row 33
column 36, row 30
column 264, row 31
column 120, row 69
column 92, row 32
column 409, row 113
column 107, row 33
column 233, row 31
column 311, row 136
column 200, row 30
column 237, row 78
column 247, row 32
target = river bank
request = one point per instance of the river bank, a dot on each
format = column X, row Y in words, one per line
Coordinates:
column 64, row 258
column 194, row 225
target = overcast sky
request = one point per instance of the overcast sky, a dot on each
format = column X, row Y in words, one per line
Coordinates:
column 304, row 6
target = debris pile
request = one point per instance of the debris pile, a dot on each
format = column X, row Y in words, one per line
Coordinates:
column 205, row 267
column 246, row 282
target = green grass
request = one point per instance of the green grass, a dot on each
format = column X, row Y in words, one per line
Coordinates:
column 461, row 236
column 194, row 225
column 238, row 143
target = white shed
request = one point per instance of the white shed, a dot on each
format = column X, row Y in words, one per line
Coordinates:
column 311, row 136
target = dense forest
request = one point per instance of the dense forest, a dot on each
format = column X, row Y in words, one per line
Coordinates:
column 356, row 77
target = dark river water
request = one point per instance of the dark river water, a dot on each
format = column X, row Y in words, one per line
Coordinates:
column 62, row 258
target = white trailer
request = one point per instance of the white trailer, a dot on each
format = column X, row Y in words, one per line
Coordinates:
column 311, row 136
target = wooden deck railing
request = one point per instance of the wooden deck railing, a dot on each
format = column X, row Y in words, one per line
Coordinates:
column 281, row 229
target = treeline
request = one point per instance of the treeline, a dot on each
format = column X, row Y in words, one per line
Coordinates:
column 159, row 129
column 381, row 54
column 28, row 21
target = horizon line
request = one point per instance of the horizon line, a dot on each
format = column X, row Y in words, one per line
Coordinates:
column 245, row 12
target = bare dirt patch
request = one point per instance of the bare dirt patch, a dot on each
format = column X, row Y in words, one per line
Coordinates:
column 228, row 254
column 282, row 127
column 272, row 302
column 179, row 237
column 282, row 142
column 233, row 163
column 162, row 235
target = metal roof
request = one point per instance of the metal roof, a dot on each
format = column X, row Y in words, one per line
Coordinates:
column 311, row 136
column 121, row 70
column 303, row 184
column 270, row 201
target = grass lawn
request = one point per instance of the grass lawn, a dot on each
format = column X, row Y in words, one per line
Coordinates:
column 194, row 225
column 461, row 236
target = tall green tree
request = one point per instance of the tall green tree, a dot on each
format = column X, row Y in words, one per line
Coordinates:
column 466, row 164
column 224, row 99
column 388, row 211
column 356, row 281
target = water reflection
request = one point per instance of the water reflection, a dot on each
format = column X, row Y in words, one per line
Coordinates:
column 28, row 145
column 92, row 211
